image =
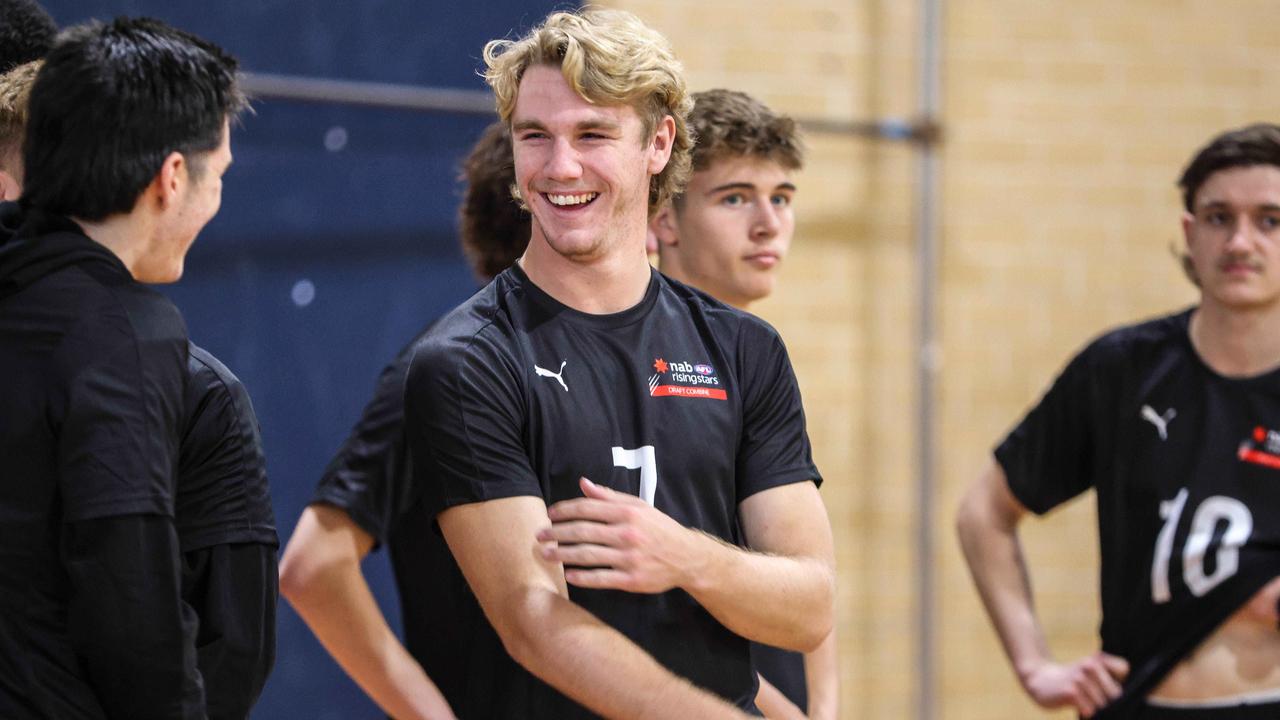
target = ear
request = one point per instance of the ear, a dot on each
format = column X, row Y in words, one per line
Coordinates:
column 664, row 138
column 170, row 182
column 1188, row 222
column 663, row 226
column 10, row 188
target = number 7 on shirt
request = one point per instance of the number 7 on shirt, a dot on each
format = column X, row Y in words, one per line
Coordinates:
column 644, row 460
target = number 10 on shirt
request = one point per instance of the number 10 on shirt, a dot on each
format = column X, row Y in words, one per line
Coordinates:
column 644, row 460
column 1212, row 511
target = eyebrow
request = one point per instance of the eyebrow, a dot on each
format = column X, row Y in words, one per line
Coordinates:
column 747, row 186
column 593, row 124
column 1218, row 204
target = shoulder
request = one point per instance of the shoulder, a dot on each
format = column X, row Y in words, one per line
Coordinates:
column 721, row 319
column 144, row 312
column 1136, row 343
column 481, row 327
column 476, row 346
column 207, row 370
column 121, row 326
column 207, row 376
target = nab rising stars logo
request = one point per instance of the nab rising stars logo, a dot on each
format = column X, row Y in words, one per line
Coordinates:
column 685, row 379
column 1262, row 448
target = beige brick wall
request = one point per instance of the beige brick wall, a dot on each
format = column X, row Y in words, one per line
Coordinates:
column 1066, row 125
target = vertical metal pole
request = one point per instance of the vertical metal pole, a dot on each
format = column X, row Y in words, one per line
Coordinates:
column 928, row 350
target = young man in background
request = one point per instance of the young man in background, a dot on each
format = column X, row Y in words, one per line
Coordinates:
column 1175, row 423
column 727, row 234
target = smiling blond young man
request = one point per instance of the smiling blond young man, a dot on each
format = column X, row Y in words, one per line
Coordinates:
column 593, row 436
column 1175, row 423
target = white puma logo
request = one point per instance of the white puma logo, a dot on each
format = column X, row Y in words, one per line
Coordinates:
column 542, row 372
column 1160, row 421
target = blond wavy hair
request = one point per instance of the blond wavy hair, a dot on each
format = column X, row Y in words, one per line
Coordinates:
column 608, row 57
column 15, row 95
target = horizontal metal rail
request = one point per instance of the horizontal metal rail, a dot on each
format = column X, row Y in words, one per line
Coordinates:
column 480, row 102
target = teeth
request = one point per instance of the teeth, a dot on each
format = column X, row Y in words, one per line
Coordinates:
column 571, row 199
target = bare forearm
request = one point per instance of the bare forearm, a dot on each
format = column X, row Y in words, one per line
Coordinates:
column 571, row 650
column 822, row 679
column 994, row 556
column 786, row 602
column 320, row 576
column 339, row 608
column 775, row 705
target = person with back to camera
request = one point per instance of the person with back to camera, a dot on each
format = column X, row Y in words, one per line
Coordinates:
column 126, row 142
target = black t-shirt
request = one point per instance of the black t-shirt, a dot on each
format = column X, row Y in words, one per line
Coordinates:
column 228, row 537
column 93, row 375
column 785, row 670
column 1186, row 465
column 681, row 400
column 222, row 486
column 370, row 480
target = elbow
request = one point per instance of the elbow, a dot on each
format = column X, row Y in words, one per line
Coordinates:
column 966, row 521
column 976, row 513
column 826, row 624
column 819, row 624
column 813, row 637
column 522, row 625
column 300, row 574
column 293, row 577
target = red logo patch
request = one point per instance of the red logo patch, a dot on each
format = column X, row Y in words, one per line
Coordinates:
column 1261, row 448
column 679, row 378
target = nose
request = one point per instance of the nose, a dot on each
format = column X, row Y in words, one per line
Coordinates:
column 563, row 163
column 1241, row 234
column 768, row 222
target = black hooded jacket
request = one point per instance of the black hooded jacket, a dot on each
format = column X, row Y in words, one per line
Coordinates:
column 92, row 368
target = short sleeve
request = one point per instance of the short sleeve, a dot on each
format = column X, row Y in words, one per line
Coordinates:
column 118, row 445
column 465, row 419
column 223, row 496
column 1047, row 458
column 369, row 478
column 774, row 449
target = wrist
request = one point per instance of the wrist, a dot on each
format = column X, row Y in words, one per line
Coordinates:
column 696, row 560
column 1028, row 668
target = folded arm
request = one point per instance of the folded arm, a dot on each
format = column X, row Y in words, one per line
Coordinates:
column 525, row 598
column 780, row 592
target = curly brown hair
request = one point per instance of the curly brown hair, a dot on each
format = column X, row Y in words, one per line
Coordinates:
column 494, row 229
column 729, row 123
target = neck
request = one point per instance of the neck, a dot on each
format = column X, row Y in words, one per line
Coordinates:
column 1237, row 343
column 669, row 264
column 124, row 234
column 607, row 284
